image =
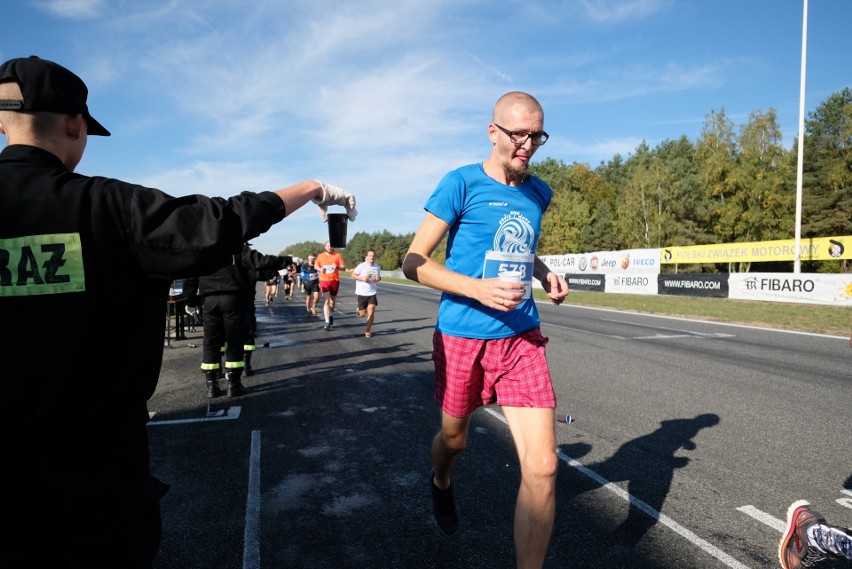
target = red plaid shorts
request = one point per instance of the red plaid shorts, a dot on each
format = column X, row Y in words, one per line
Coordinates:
column 512, row 372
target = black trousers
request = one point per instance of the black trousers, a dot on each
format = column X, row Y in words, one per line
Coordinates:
column 225, row 324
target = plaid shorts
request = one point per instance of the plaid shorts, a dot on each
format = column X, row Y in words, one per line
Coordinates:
column 511, row 372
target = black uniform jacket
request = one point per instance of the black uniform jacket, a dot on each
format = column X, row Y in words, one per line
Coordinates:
column 85, row 268
column 240, row 275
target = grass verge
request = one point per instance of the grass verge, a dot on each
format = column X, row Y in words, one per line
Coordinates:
column 833, row 320
column 816, row 318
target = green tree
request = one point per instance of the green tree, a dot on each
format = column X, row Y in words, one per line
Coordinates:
column 600, row 234
column 567, row 213
column 764, row 182
column 390, row 249
column 580, row 216
column 597, row 232
column 645, row 218
column 689, row 207
column 562, row 224
column 760, row 199
column 614, row 172
column 827, row 173
column 715, row 155
column 303, row 249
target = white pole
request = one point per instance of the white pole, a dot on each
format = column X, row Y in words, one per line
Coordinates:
column 797, row 265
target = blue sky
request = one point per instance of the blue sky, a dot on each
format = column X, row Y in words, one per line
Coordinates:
column 383, row 97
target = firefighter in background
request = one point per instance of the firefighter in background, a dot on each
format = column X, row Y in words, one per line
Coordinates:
column 228, row 318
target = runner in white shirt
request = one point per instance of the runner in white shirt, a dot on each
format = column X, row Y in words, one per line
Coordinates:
column 366, row 275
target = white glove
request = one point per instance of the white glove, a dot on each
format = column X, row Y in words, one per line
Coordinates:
column 332, row 195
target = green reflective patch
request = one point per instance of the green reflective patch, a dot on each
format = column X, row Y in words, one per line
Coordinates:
column 41, row 264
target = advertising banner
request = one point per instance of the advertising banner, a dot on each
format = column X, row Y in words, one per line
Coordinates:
column 814, row 249
column 586, row 282
column 646, row 261
column 811, row 288
column 693, row 284
column 631, row 284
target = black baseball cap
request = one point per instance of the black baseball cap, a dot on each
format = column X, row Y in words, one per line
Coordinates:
column 47, row 86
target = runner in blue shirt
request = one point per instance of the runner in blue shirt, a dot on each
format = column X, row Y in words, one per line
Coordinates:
column 487, row 345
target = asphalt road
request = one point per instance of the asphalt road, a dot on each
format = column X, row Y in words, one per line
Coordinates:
column 690, row 441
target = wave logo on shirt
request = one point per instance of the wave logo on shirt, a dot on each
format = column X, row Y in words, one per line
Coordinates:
column 515, row 235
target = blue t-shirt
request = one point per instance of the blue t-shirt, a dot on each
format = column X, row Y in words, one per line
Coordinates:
column 493, row 228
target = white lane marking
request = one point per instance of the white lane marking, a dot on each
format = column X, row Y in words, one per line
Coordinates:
column 845, row 502
column 696, row 335
column 227, row 414
column 251, row 534
column 586, row 332
column 763, row 517
column 636, row 502
column 682, row 318
column 669, row 336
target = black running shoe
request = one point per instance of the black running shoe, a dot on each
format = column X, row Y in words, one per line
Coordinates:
column 444, row 507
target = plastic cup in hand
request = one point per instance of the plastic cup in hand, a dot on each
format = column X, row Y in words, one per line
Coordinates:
column 510, row 276
column 337, row 229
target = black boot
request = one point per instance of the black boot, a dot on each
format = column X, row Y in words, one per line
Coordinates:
column 212, row 385
column 247, row 361
column 235, row 387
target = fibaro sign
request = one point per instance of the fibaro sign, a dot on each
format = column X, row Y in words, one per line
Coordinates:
column 811, row 288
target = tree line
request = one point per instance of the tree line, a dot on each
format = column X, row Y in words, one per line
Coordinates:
column 733, row 184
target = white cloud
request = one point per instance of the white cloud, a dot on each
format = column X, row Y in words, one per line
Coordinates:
column 71, row 9
column 617, row 11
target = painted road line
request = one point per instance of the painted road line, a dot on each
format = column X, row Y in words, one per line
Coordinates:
column 780, row 525
column 227, row 414
column 637, row 503
column 251, row 534
column 682, row 318
column 686, row 335
column 763, row 517
column 586, row 332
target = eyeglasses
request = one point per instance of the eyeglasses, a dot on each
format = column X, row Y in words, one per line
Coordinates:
column 519, row 137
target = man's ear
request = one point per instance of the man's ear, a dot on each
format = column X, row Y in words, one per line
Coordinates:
column 492, row 134
column 75, row 126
